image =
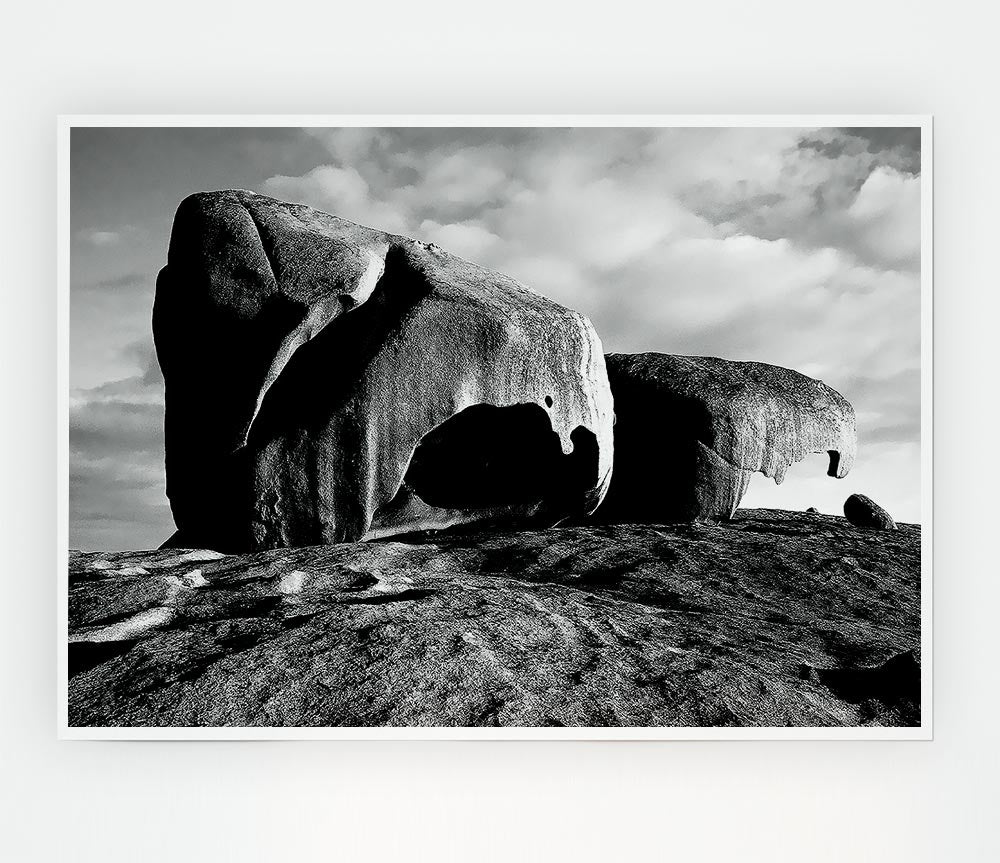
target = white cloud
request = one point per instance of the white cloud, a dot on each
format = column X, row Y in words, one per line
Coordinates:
column 349, row 145
column 325, row 187
column 820, row 188
column 465, row 177
column 468, row 240
column 887, row 215
column 102, row 238
column 593, row 221
column 341, row 191
column 553, row 276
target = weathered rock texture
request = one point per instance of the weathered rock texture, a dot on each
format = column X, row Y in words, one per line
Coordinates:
column 690, row 431
column 326, row 382
column 772, row 619
column 864, row 512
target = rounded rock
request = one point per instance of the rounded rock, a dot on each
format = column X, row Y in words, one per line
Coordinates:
column 862, row 511
column 690, row 431
column 327, row 382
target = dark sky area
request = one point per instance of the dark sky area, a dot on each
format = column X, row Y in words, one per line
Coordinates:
column 799, row 247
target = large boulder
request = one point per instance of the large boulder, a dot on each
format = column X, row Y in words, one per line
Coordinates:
column 771, row 619
column 326, row 382
column 690, row 431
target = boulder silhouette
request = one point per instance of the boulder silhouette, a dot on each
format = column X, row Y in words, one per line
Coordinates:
column 690, row 431
column 327, row 382
column 864, row 512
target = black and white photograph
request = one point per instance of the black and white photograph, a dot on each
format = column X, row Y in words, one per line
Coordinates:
column 544, row 429
column 445, row 432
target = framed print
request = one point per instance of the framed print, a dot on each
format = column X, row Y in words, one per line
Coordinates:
column 585, row 427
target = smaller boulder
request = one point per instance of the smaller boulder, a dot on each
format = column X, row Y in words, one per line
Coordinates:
column 690, row 432
column 812, row 509
column 864, row 512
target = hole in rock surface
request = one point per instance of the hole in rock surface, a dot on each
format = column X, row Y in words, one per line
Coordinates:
column 487, row 456
column 834, row 462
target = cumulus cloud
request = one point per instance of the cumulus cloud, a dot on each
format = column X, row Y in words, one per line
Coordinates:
column 348, row 145
column 809, row 191
column 466, row 178
column 886, row 213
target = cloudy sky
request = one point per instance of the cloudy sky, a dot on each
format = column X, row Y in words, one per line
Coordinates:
column 799, row 247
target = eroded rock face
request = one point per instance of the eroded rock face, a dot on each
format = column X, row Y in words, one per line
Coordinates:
column 862, row 511
column 327, row 382
column 690, row 431
column 771, row 619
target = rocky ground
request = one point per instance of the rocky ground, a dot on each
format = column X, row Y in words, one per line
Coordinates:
column 773, row 619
